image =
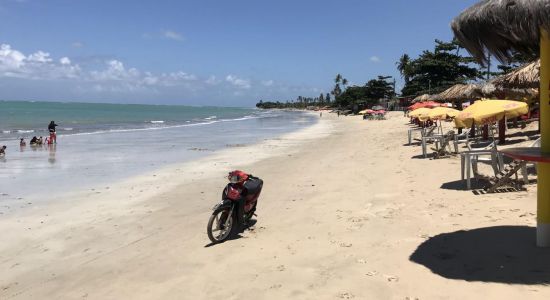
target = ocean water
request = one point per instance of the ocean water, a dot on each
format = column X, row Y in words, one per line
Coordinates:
column 26, row 119
column 101, row 143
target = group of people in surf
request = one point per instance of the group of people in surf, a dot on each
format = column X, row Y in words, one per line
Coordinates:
column 34, row 142
column 52, row 139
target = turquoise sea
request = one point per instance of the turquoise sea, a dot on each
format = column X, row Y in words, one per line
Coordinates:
column 101, row 143
column 24, row 119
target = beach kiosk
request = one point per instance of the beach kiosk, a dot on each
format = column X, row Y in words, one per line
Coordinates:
column 502, row 28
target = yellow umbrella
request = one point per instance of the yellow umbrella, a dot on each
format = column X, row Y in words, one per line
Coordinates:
column 442, row 113
column 420, row 113
column 490, row 111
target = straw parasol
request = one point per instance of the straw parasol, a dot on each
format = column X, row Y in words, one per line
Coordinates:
column 421, row 98
column 502, row 28
column 489, row 111
column 461, row 92
column 527, row 76
column 490, row 90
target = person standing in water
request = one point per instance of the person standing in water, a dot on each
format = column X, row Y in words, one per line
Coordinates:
column 51, row 129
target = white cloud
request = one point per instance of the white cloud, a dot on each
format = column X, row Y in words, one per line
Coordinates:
column 38, row 65
column 10, row 59
column 115, row 72
column 150, row 79
column 40, row 57
column 65, row 61
column 238, row 82
column 375, row 59
column 212, row 80
column 113, row 78
column 172, row 35
column 267, row 82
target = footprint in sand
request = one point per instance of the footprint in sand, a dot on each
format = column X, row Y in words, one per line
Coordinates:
column 362, row 261
column 275, row 286
column 392, row 278
column 357, row 219
column 346, row 245
column 372, row 273
column 281, row 268
column 346, row 295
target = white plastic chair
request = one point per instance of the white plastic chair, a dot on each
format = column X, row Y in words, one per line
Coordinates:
column 464, row 137
column 469, row 160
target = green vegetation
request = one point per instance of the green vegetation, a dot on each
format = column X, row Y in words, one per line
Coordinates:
column 430, row 73
column 435, row 71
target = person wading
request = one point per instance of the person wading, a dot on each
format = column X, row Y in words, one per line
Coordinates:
column 51, row 129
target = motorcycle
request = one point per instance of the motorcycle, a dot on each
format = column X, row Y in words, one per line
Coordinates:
column 237, row 206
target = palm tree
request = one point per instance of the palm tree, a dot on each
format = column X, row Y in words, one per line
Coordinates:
column 336, row 91
column 338, row 78
column 404, row 67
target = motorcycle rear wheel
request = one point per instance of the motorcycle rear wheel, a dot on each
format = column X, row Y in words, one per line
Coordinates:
column 220, row 225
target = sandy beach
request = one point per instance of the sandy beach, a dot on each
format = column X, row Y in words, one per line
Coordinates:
column 347, row 211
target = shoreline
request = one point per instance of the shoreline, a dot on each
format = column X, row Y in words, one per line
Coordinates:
column 93, row 161
column 344, row 214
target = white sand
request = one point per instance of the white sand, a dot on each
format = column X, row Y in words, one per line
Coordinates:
column 345, row 213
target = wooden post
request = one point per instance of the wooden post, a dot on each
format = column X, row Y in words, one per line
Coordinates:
column 543, row 186
column 502, row 131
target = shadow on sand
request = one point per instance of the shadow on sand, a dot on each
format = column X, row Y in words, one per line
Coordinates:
column 236, row 236
column 460, row 185
column 503, row 254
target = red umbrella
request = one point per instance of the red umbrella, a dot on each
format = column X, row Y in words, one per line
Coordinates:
column 427, row 104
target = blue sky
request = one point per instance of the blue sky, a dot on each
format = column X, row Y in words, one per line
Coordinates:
column 230, row 53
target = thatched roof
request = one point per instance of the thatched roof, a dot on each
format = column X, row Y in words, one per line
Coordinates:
column 527, row 76
column 421, row 98
column 490, row 90
column 461, row 92
column 502, row 27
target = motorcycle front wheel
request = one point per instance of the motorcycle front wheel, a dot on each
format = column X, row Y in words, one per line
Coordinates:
column 220, row 225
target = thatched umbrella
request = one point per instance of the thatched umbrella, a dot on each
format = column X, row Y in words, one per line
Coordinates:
column 461, row 92
column 504, row 27
column 421, row 98
column 490, row 90
column 527, row 76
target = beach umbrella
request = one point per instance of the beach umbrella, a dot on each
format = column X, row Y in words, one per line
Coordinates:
column 421, row 98
column 439, row 113
column 428, row 104
column 490, row 111
column 461, row 92
column 366, row 111
column 503, row 28
column 524, row 77
column 420, row 112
